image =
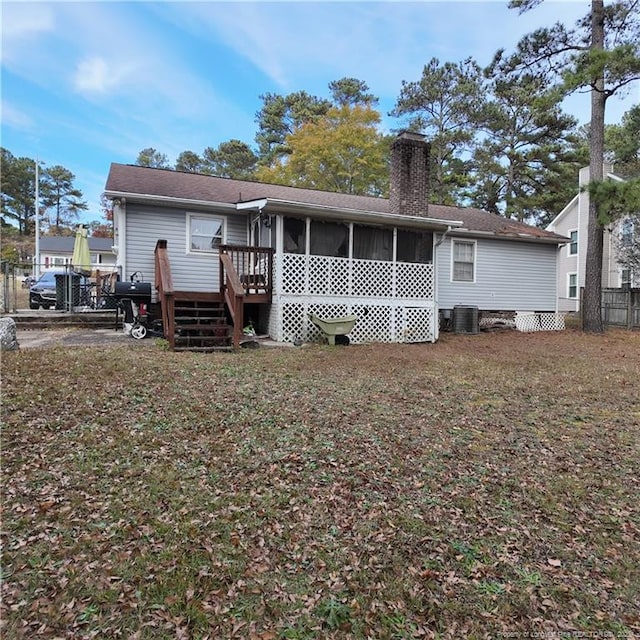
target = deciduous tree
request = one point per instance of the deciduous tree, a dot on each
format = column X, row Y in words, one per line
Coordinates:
column 103, row 228
column 342, row 151
column 628, row 245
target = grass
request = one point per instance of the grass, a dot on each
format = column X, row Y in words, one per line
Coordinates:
column 478, row 487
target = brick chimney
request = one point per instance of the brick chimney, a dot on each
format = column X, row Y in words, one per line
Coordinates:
column 409, row 184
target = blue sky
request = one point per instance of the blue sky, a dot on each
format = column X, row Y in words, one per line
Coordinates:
column 85, row 84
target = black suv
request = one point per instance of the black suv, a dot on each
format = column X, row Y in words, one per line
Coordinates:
column 43, row 292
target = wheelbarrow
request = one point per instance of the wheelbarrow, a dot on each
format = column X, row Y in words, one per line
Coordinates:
column 332, row 327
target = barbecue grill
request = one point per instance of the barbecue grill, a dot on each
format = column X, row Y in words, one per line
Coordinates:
column 133, row 299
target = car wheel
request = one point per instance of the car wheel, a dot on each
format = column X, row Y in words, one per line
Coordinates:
column 33, row 305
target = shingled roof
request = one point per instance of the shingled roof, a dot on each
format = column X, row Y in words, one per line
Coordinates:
column 66, row 243
column 131, row 180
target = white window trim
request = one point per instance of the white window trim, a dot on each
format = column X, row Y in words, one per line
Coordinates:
column 204, row 216
column 627, row 232
column 475, row 260
column 620, row 277
column 569, row 296
column 570, row 243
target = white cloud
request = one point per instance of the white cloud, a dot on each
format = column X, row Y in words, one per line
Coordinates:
column 14, row 117
column 251, row 29
column 94, row 76
column 24, row 27
column 382, row 43
column 23, row 19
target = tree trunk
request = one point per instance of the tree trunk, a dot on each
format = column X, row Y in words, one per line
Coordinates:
column 591, row 313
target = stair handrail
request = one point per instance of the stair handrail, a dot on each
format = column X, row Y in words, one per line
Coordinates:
column 233, row 294
column 166, row 293
column 254, row 266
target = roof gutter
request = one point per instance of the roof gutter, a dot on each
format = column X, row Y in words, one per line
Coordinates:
column 517, row 237
column 185, row 202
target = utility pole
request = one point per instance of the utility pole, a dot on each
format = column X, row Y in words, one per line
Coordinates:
column 36, row 266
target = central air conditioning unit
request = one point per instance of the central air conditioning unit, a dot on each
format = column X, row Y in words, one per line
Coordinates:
column 465, row 319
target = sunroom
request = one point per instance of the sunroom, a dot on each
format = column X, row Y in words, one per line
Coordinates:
column 333, row 263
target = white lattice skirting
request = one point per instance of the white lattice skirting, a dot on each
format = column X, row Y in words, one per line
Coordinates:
column 377, row 322
column 539, row 321
column 392, row 300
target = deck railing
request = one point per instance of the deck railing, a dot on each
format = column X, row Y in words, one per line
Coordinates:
column 253, row 265
column 166, row 292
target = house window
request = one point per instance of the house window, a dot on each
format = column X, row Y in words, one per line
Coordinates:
column 464, row 255
column 329, row 239
column 414, row 246
column 625, row 278
column 626, row 233
column 205, row 233
column 372, row 243
column 573, row 285
column 295, row 235
column 573, row 245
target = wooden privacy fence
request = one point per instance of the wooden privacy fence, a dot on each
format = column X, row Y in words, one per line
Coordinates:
column 621, row 307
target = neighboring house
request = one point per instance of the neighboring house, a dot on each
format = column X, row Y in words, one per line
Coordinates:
column 572, row 222
column 395, row 263
column 56, row 253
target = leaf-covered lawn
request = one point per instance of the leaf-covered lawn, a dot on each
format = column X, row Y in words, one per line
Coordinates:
column 480, row 487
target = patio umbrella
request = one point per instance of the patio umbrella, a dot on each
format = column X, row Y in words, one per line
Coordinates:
column 81, row 260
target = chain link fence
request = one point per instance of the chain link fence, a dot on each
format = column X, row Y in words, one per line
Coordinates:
column 66, row 290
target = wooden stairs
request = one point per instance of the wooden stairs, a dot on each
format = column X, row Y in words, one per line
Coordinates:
column 201, row 325
column 213, row 321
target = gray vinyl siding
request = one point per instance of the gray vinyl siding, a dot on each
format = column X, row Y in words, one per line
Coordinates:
column 191, row 272
column 509, row 276
column 568, row 263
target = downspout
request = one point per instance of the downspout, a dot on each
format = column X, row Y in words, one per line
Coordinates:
column 439, row 242
column 253, row 235
column 120, row 235
column 436, row 306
